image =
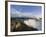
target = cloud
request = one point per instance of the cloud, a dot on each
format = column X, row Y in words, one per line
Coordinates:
column 27, row 14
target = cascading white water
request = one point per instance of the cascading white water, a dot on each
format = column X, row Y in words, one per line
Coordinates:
column 34, row 23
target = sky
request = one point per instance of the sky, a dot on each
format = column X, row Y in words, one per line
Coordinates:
column 26, row 10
